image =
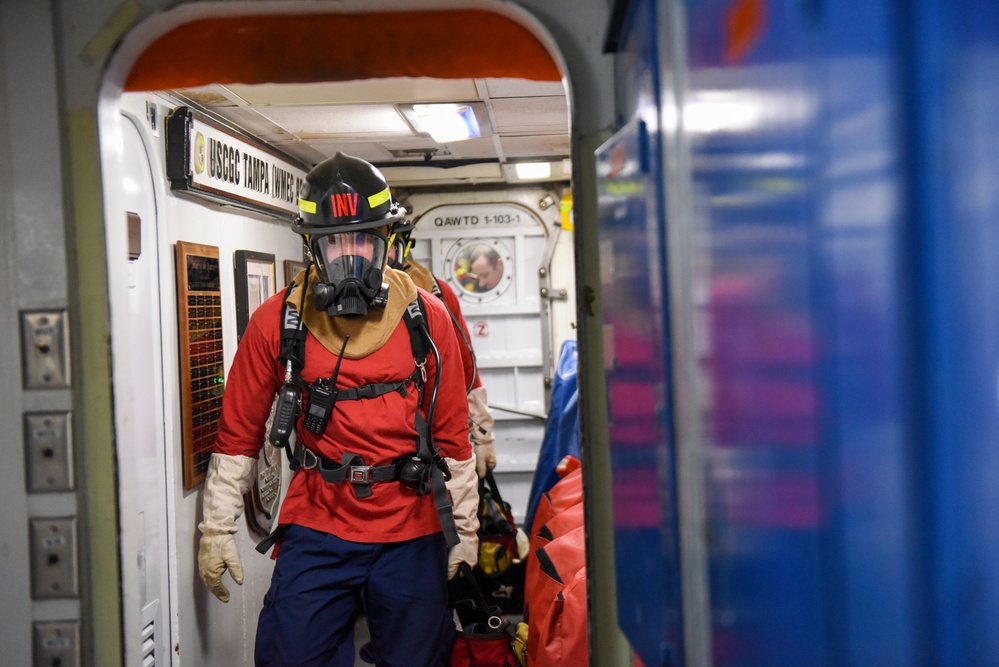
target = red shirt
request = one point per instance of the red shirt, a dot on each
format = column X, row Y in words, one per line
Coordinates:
column 378, row 429
column 472, row 379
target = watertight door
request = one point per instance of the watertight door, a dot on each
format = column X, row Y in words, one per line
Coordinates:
column 133, row 281
column 493, row 266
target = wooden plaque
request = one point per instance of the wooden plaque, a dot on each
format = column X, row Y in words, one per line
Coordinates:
column 202, row 381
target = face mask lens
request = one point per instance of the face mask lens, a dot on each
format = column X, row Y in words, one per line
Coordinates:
column 350, row 254
column 354, row 244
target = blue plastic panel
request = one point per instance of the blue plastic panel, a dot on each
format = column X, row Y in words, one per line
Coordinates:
column 843, row 170
column 636, row 345
column 793, row 121
column 647, row 566
column 954, row 51
column 750, row 119
column 843, row 234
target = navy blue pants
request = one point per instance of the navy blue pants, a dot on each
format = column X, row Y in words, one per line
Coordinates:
column 318, row 582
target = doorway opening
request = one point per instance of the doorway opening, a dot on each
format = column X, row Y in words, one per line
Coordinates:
column 329, row 80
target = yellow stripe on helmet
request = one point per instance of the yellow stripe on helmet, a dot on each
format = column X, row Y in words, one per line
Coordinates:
column 306, row 206
column 378, row 198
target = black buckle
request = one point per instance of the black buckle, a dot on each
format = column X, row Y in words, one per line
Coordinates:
column 360, row 475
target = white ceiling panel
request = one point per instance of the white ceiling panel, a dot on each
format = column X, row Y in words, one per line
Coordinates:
column 350, row 120
column 523, row 88
column 366, row 150
column 365, row 91
column 524, row 115
column 521, row 119
column 536, row 146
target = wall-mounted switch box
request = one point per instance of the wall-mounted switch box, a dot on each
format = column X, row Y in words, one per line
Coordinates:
column 56, row 643
column 54, row 568
column 48, row 452
column 45, row 349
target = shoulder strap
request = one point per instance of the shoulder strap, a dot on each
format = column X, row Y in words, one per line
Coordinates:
column 293, row 331
column 435, row 288
column 461, row 331
column 418, row 329
column 419, row 339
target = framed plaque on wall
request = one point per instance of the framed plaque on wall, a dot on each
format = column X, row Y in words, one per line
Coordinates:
column 254, row 284
column 292, row 267
column 202, row 381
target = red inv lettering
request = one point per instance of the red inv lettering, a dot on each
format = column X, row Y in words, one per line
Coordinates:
column 344, row 204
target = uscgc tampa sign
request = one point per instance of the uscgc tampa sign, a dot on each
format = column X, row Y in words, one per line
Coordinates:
column 206, row 159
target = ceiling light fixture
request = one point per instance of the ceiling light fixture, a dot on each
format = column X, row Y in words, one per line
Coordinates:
column 447, row 122
column 528, row 171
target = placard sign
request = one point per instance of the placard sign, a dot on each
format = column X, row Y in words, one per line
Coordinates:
column 207, row 159
column 500, row 215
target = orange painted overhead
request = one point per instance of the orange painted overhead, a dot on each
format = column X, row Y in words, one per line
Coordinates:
column 341, row 47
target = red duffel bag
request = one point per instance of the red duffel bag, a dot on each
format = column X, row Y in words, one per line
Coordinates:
column 485, row 638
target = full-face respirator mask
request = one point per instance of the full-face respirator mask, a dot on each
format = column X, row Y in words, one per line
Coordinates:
column 346, row 210
column 350, row 266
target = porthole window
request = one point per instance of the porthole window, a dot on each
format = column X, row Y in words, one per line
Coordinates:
column 479, row 270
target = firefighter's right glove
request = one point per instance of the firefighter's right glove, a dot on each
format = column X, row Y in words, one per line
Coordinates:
column 227, row 479
column 480, row 423
column 464, row 489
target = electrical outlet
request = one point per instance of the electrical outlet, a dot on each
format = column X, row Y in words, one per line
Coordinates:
column 48, row 453
column 45, row 349
column 56, row 643
column 53, row 558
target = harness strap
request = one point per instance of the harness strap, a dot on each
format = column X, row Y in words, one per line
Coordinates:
column 351, row 469
column 442, row 500
column 457, row 327
column 438, row 484
column 293, row 332
column 372, row 390
column 435, row 289
column 413, row 316
column 264, row 545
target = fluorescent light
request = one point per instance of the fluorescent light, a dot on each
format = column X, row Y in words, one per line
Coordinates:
column 527, row 171
column 447, row 122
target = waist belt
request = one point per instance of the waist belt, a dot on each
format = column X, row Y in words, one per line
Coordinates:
column 351, row 469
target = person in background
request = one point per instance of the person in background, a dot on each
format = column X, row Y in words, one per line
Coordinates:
column 382, row 505
column 480, row 419
column 487, row 265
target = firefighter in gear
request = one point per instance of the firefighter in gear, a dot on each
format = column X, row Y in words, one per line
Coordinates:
column 382, row 506
column 480, row 420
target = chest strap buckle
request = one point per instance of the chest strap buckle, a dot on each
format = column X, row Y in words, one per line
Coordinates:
column 360, row 475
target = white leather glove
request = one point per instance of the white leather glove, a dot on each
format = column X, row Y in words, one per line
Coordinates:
column 480, row 430
column 464, row 489
column 227, row 479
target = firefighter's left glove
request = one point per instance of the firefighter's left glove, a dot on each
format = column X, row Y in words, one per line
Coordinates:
column 464, row 489
column 227, row 479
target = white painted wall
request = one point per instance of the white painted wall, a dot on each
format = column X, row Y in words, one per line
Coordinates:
column 147, row 401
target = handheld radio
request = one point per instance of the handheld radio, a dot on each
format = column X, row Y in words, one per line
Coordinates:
column 322, row 398
column 289, row 404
